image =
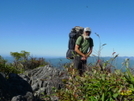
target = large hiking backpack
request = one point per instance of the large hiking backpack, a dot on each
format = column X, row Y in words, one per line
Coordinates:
column 73, row 35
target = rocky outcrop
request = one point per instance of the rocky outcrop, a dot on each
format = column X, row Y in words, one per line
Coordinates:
column 44, row 79
column 4, row 88
column 15, row 88
column 32, row 85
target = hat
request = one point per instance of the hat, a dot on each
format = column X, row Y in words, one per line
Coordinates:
column 87, row 29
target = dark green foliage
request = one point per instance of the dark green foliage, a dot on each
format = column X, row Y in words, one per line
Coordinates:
column 97, row 85
column 23, row 55
column 34, row 63
column 7, row 68
column 24, row 61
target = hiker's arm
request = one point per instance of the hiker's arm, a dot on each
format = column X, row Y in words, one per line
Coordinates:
column 90, row 51
column 78, row 51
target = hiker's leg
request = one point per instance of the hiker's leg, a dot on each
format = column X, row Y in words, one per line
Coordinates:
column 78, row 64
column 84, row 66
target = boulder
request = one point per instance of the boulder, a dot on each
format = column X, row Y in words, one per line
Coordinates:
column 27, row 97
column 31, row 85
column 44, row 79
column 4, row 88
column 18, row 84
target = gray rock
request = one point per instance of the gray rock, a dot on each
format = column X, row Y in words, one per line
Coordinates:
column 44, row 79
column 36, row 83
column 4, row 89
column 3, row 74
column 35, row 87
column 14, row 88
column 18, row 98
column 27, row 97
column 18, row 85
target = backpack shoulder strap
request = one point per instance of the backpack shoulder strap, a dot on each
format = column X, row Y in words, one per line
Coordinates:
column 91, row 42
column 81, row 40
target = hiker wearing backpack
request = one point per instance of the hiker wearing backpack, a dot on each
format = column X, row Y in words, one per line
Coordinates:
column 83, row 49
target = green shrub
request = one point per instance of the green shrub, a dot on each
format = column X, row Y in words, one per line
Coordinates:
column 22, row 61
column 96, row 85
column 25, row 61
column 35, row 62
column 7, row 68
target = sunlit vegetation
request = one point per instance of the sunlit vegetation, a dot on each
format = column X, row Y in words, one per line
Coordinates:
column 98, row 85
column 22, row 62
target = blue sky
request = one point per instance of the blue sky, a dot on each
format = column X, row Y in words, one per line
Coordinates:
column 41, row 27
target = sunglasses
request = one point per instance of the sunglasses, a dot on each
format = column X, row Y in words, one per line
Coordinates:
column 88, row 32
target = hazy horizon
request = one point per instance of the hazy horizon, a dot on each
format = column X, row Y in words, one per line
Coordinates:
column 59, row 61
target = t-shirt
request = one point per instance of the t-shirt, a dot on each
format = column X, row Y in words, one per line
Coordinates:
column 85, row 45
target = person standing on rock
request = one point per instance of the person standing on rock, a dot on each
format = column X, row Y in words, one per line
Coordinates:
column 83, row 48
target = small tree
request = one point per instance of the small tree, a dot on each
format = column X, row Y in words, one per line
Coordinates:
column 20, row 58
column 6, row 67
column 25, row 61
